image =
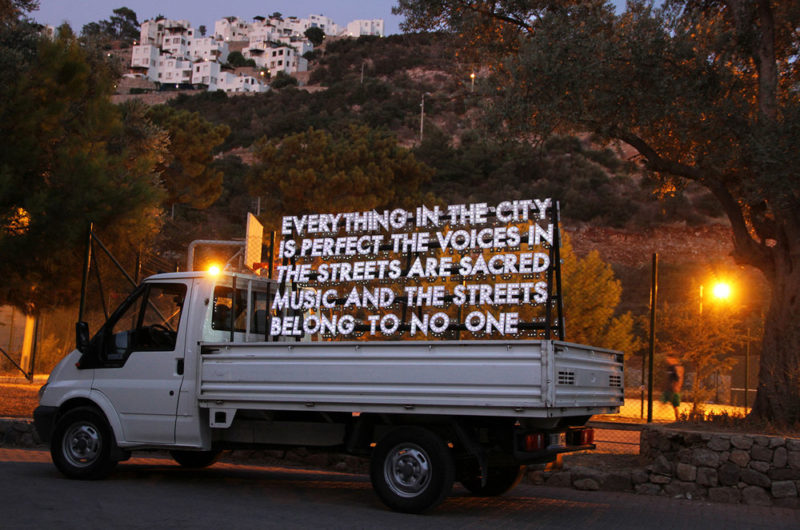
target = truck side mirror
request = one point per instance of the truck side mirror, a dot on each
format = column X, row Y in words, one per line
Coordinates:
column 82, row 337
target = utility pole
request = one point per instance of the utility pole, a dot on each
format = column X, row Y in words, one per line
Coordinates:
column 422, row 118
column 653, row 301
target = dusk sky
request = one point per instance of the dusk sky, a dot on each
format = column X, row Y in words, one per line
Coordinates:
column 80, row 12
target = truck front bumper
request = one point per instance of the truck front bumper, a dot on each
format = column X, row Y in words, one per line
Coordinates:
column 44, row 422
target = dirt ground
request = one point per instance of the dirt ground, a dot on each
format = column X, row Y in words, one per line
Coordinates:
column 18, row 400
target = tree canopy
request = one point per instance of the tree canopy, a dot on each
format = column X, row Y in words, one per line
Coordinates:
column 704, row 91
column 187, row 173
column 314, row 171
column 591, row 297
column 315, row 35
column 123, row 26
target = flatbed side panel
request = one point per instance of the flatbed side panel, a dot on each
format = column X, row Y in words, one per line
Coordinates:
column 471, row 378
column 448, row 375
column 585, row 376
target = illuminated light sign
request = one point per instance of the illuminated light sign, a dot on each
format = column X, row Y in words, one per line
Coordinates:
column 482, row 269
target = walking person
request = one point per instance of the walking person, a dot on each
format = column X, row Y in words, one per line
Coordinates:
column 673, row 384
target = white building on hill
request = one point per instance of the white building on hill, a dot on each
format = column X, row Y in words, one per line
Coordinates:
column 171, row 52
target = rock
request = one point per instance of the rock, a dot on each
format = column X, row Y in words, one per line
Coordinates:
column 686, row 472
column 739, row 457
column 679, row 488
column 783, row 488
column 793, row 459
column 719, row 443
column 662, row 466
column 784, row 474
column 775, row 442
column 705, row 457
column 728, row 474
column 707, row 477
column 536, row 477
column 763, row 441
column 648, row 489
column 754, row 478
column 793, row 444
column 761, row 453
column 640, row 476
column 586, row 484
column 729, row 495
column 656, row 478
column 741, row 442
column 756, row 496
column 780, row 458
column 761, row 467
column 685, row 455
column 560, row 479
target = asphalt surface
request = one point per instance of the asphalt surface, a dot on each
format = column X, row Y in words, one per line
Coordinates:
column 153, row 492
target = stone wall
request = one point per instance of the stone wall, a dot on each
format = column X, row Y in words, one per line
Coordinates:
column 18, row 433
column 734, row 468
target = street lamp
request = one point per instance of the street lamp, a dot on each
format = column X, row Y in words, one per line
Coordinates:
column 720, row 291
column 472, row 79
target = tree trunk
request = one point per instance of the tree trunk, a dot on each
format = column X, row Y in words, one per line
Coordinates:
column 778, row 397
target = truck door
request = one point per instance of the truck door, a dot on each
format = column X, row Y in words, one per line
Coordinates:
column 141, row 361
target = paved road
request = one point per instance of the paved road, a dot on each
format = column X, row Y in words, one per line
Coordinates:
column 150, row 493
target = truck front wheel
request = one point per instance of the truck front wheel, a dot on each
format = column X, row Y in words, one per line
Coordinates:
column 411, row 470
column 498, row 481
column 81, row 444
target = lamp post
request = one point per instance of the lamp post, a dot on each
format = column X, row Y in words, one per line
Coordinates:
column 472, row 79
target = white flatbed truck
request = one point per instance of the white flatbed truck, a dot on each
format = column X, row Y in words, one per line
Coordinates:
column 186, row 364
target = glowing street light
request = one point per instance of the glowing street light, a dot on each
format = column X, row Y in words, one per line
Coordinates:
column 472, row 78
column 214, row 270
column 721, row 291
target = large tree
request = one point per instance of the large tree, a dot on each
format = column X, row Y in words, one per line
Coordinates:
column 68, row 156
column 705, row 91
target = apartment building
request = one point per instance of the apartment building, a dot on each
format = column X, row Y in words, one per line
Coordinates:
column 170, row 51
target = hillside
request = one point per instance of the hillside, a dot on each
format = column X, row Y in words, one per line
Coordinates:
column 607, row 203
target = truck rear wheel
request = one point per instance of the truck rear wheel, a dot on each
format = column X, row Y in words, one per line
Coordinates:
column 411, row 470
column 81, row 444
column 498, row 481
column 195, row 459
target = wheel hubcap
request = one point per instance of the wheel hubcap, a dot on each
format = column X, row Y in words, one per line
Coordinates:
column 407, row 470
column 81, row 444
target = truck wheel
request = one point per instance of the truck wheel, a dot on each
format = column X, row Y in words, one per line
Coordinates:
column 81, row 444
column 195, row 459
column 411, row 470
column 498, row 481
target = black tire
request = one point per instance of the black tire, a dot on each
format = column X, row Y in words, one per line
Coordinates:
column 498, row 481
column 81, row 444
column 411, row 470
column 195, row 459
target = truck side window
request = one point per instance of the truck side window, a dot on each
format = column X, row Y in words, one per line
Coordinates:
column 148, row 323
column 221, row 316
